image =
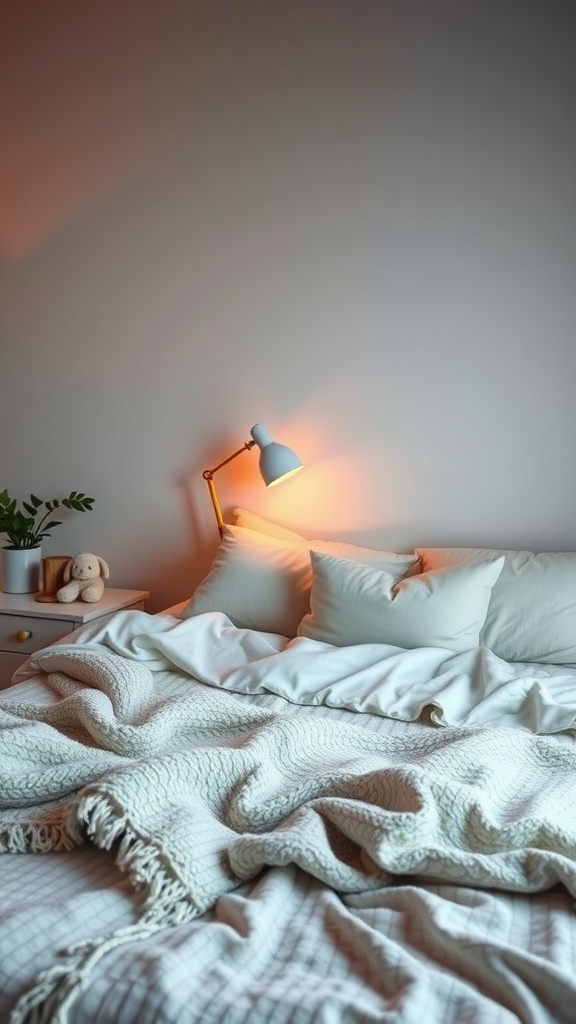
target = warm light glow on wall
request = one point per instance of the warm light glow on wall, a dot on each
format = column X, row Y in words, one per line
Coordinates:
column 88, row 97
column 333, row 496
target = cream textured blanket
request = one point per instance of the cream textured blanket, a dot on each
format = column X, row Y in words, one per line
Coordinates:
column 203, row 790
column 206, row 771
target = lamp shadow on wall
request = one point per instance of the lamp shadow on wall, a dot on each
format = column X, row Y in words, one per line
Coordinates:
column 201, row 528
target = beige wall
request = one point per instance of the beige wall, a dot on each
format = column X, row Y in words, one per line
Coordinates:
column 352, row 219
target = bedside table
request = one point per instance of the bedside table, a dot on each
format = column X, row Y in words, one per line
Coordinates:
column 26, row 625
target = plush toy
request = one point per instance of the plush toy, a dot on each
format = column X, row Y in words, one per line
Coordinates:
column 83, row 577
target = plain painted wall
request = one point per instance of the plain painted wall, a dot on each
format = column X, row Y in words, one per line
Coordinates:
column 353, row 220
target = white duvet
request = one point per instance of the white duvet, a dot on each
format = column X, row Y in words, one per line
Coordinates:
column 472, row 688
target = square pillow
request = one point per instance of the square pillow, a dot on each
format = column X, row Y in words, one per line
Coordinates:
column 532, row 612
column 352, row 603
column 262, row 582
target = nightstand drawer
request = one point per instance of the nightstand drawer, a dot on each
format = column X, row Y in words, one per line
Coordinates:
column 42, row 632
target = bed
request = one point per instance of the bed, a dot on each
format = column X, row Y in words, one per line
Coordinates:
column 334, row 785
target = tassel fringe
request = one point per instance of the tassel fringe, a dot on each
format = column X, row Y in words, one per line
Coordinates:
column 166, row 903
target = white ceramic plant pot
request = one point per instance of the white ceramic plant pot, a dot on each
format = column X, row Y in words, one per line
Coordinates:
column 21, row 570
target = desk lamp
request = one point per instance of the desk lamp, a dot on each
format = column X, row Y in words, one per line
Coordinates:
column 277, row 462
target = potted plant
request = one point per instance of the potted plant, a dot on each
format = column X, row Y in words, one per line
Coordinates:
column 26, row 524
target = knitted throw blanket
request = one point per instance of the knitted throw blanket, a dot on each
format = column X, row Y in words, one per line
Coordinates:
column 204, row 790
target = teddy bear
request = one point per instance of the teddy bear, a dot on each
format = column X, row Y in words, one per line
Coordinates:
column 83, row 577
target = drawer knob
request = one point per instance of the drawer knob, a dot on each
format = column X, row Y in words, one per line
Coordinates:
column 23, row 635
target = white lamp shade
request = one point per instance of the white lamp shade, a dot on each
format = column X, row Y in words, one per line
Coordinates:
column 276, row 460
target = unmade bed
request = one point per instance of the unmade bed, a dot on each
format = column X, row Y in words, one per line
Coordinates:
column 204, row 821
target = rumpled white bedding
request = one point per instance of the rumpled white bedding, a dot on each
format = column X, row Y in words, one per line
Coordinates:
column 471, row 688
column 283, row 946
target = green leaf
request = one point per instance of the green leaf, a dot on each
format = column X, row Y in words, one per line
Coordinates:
column 26, row 526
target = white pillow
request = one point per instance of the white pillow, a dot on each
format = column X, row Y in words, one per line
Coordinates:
column 261, row 582
column 251, row 521
column 532, row 612
column 342, row 549
column 358, row 604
